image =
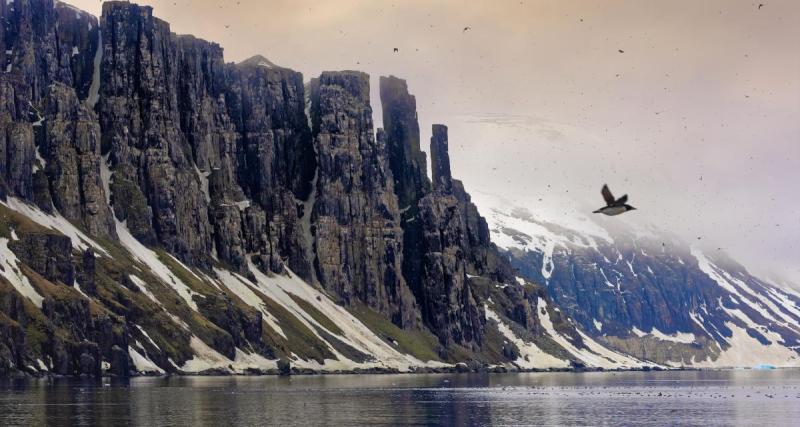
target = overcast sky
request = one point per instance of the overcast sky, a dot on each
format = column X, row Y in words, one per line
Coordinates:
column 690, row 107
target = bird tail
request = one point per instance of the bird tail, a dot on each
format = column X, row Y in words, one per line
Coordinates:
column 597, row 211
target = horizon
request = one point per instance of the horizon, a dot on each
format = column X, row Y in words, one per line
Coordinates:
column 543, row 107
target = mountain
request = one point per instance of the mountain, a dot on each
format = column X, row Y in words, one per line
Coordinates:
column 648, row 294
column 163, row 211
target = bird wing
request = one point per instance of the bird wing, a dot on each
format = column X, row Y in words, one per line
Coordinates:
column 622, row 200
column 607, row 196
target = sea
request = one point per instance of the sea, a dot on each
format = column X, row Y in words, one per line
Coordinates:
column 702, row 398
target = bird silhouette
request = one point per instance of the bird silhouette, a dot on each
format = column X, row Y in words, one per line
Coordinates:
column 613, row 206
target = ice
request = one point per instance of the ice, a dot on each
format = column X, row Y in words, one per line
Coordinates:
column 597, row 324
column 75, row 50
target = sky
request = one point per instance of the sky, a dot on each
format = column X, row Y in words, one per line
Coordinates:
column 690, row 107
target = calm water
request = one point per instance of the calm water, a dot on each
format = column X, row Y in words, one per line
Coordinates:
column 645, row 398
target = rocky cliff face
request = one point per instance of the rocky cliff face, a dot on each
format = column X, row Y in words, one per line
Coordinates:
column 164, row 211
column 355, row 217
column 150, row 157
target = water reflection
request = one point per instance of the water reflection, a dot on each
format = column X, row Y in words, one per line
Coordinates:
column 654, row 398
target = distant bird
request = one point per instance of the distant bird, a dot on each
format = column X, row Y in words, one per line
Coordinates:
column 620, row 51
column 614, row 206
column 760, row 5
column 466, row 29
column 396, row 50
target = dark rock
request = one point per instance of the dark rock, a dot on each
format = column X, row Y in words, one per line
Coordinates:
column 406, row 160
column 71, row 148
column 356, row 219
column 284, row 367
column 440, row 158
column 120, row 362
column 47, row 254
column 87, row 274
column 140, row 121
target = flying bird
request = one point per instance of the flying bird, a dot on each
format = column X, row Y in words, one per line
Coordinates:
column 466, row 29
column 614, row 206
column 760, row 5
column 396, row 50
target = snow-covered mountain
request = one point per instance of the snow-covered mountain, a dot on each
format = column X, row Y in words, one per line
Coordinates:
column 648, row 294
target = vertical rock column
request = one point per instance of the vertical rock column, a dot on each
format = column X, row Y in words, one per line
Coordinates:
column 71, row 148
column 440, row 158
column 448, row 305
column 156, row 188
column 406, row 160
column 356, row 217
column 275, row 162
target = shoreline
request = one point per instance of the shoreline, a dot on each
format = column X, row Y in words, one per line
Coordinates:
column 377, row 371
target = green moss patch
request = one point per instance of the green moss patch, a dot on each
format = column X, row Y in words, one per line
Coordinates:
column 418, row 343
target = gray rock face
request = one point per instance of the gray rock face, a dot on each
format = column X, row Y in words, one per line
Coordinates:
column 139, row 114
column 406, row 160
column 275, row 162
column 440, row 158
column 71, row 150
column 446, row 239
column 355, row 218
column 448, row 304
column 222, row 166
column 191, row 139
column 47, row 254
column 47, row 69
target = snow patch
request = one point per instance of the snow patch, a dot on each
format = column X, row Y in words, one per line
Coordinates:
column 745, row 350
column 10, row 269
column 679, row 337
column 594, row 355
column 530, row 356
column 142, row 363
column 55, row 222
column 94, row 88
column 150, row 260
column 354, row 333
column 143, row 287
